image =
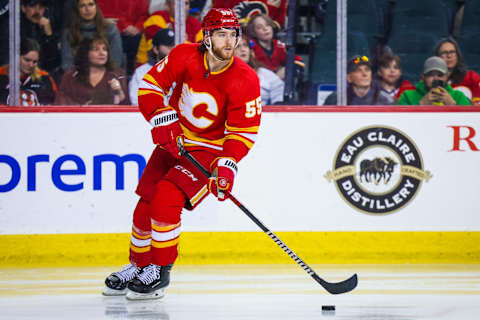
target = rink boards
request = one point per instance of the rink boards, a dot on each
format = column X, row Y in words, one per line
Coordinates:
column 336, row 184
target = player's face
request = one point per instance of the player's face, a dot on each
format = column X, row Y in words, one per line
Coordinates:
column 28, row 62
column 87, row 9
column 223, row 43
column 448, row 53
column 243, row 50
column 98, row 54
column 391, row 73
column 263, row 30
column 361, row 77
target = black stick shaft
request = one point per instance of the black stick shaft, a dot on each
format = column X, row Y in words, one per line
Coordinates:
column 334, row 288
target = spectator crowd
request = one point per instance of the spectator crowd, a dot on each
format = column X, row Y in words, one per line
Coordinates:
column 91, row 52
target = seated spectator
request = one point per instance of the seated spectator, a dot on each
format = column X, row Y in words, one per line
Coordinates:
column 434, row 89
column 245, row 10
column 271, row 86
column 467, row 81
column 95, row 78
column 269, row 51
column 37, row 86
column 389, row 76
column 162, row 42
column 129, row 17
column 361, row 90
column 35, row 24
column 87, row 21
column 166, row 19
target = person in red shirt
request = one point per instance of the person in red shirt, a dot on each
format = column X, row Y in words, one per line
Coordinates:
column 203, row 95
column 129, row 16
column 467, row 81
column 270, row 52
column 166, row 19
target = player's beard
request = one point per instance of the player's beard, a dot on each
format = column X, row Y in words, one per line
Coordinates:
column 221, row 54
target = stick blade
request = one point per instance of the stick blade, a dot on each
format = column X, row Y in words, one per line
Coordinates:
column 338, row 287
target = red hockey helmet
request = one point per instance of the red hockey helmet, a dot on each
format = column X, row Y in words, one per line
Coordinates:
column 218, row 18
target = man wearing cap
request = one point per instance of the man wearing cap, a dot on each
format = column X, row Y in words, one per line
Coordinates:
column 35, row 24
column 162, row 42
column 434, row 89
column 361, row 90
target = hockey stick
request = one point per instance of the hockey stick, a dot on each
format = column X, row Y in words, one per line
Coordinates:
column 331, row 287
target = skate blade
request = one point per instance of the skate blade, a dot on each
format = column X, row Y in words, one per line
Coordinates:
column 132, row 295
column 112, row 292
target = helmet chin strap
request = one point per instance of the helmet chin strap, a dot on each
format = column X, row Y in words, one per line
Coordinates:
column 209, row 45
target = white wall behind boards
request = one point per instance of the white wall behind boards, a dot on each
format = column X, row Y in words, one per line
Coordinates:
column 282, row 181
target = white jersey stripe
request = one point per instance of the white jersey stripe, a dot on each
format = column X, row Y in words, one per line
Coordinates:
column 250, row 136
column 146, row 85
column 198, row 143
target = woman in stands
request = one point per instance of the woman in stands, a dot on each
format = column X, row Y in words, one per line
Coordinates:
column 389, row 76
column 86, row 20
column 271, row 86
column 95, row 78
column 36, row 86
column 269, row 51
column 467, row 81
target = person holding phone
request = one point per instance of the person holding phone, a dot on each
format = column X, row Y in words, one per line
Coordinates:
column 434, row 89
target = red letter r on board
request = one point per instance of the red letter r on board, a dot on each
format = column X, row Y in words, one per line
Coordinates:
column 468, row 138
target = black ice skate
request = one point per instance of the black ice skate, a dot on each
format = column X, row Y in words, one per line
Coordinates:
column 116, row 283
column 150, row 283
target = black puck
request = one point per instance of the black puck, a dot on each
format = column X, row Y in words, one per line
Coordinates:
column 328, row 308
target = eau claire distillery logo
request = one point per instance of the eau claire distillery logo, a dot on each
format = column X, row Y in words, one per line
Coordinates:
column 378, row 170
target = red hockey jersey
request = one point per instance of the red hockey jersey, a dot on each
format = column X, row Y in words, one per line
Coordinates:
column 219, row 111
column 470, row 86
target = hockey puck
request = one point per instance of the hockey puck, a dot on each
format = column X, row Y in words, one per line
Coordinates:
column 328, row 308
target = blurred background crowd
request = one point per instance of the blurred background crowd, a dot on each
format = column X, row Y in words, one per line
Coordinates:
column 401, row 52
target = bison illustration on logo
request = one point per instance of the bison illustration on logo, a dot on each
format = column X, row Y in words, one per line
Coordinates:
column 378, row 170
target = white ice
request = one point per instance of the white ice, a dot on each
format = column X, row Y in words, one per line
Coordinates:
column 393, row 292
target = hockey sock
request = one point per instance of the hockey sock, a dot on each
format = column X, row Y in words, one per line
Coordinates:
column 141, row 237
column 166, row 206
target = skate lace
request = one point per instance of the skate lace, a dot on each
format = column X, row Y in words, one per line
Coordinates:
column 128, row 273
column 149, row 274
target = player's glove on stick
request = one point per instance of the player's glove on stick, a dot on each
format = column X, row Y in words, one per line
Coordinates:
column 166, row 130
column 223, row 175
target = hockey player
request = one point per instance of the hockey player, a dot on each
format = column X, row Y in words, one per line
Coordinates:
column 215, row 108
